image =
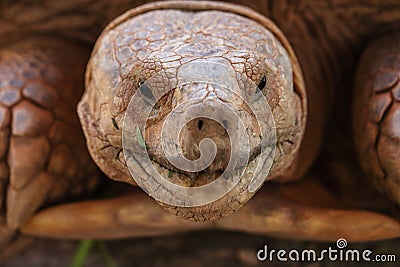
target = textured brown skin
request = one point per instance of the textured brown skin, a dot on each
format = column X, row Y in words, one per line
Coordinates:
column 303, row 210
column 114, row 103
column 327, row 37
column 43, row 155
column 376, row 113
column 134, row 62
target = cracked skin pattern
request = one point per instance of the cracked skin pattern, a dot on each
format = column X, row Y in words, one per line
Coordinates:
column 42, row 151
column 137, row 49
column 327, row 37
column 377, row 113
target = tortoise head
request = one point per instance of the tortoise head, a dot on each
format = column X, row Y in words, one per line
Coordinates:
column 198, row 107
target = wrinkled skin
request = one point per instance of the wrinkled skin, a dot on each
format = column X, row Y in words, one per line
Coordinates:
column 43, row 153
column 188, row 37
column 327, row 39
column 377, row 97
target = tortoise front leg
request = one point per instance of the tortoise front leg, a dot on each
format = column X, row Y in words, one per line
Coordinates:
column 303, row 210
column 377, row 113
column 43, row 158
column 309, row 211
column 131, row 215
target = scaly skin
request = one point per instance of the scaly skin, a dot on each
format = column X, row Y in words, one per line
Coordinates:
column 125, row 55
column 43, row 155
column 327, row 37
column 376, row 113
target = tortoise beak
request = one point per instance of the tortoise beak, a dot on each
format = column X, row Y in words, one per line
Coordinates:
column 197, row 135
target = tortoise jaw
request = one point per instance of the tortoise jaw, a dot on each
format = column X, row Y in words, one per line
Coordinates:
column 191, row 136
column 216, row 170
column 201, row 131
column 233, row 200
column 194, row 157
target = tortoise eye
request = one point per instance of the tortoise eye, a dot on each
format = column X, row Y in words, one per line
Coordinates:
column 262, row 83
column 115, row 124
column 146, row 92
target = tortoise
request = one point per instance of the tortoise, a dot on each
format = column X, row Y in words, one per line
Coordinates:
column 314, row 139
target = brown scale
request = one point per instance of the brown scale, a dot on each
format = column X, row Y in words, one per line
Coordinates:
column 332, row 201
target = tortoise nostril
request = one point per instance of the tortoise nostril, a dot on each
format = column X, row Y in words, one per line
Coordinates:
column 200, row 124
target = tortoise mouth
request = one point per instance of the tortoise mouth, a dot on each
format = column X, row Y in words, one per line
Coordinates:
column 190, row 137
column 201, row 129
column 197, row 179
column 209, row 128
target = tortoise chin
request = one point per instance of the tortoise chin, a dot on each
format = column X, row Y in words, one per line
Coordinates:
column 198, row 107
